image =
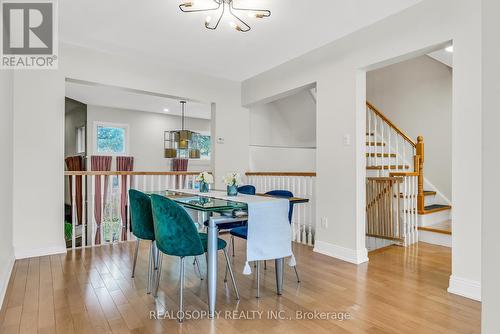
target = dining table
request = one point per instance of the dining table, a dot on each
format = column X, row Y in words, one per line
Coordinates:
column 217, row 208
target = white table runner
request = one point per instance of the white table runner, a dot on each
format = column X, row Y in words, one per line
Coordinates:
column 269, row 232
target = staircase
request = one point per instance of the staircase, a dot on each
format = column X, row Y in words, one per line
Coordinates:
column 399, row 210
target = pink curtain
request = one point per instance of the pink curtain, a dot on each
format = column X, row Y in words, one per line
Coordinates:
column 179, row 165
column 76, row 164
column 100, row 163
column 124, row 164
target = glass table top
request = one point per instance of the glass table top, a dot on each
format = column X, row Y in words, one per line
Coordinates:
column 201, row 203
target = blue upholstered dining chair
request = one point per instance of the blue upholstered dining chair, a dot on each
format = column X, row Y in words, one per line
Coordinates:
column 176, row 235
column 242, row 231
column 143, row 229
column 246, row 190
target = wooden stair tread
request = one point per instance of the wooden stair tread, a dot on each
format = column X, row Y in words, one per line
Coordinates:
column 388, row 167
column 435, row 208
column 380, row 155
column 426, row 193
column 375, row 144
column 443, row 228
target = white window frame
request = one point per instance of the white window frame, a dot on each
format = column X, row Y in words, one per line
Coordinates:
column 126, row 127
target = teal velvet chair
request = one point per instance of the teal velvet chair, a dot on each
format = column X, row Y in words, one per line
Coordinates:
column 176, row 235
column 143, row 229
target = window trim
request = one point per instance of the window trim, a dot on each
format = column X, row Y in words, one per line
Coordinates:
column 126, row 127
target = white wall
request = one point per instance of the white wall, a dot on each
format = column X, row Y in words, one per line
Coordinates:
column 417, row 96
column 283, row 134
column 491, row 161
column 145, row 136
column 39, row 132
column 38, row 163
column 339, row 70
column 6, row 171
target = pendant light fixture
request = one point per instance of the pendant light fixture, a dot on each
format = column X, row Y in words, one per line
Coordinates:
column 181, row 143
column 219, row 8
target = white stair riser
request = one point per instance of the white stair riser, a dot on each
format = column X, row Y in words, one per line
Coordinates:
column 434, row 218
column 377, row 149
column 430, row 200
column 435, row 238
column 381, row 161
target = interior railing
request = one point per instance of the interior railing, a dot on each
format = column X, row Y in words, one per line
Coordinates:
column 391, row 153
column 391, row 205
column 102, row 216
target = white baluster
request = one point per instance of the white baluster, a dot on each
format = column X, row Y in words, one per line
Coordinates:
column 120, row 218
column 129, row 185
column 73, row 211
column 84, row 211
column 101, row 230
column 92, row 210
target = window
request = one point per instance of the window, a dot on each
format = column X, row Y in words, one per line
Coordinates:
column 205, row 145
column 111, row 138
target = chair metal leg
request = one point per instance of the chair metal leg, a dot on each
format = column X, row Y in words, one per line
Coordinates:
column 231, row 273
column 158, row 274
column 197, row 264
column 296, row 274
column 181, row 298
column 258, row 279
column 225, row 275
column 150, row 269
column 232, row 243
column 136, row 253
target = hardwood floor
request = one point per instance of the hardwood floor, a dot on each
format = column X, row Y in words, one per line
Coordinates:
column 90, row 291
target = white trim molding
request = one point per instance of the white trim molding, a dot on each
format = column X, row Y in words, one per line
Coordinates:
column 345, row 254
column 5, row 274
column 465, row 287
column 35, row 252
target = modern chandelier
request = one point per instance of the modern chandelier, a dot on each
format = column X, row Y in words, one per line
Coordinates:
column 181, row 143
column 220, row 8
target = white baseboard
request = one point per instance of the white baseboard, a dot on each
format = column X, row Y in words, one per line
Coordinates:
column 35, row 252
column 465, row 288
column 342, row 253
column 5, row 273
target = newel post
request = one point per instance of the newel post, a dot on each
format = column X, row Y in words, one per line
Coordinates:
column 420, row 171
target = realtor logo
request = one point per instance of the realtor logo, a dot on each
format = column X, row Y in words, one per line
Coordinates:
column 28, row 35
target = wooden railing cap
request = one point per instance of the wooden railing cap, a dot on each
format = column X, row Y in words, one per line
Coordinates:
column 310, row 174
column 110, row 173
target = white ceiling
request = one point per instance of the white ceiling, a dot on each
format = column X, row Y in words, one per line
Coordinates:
column 156, row 30
column 133, row 100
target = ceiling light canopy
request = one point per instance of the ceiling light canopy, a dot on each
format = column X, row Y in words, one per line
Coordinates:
column 219, row 8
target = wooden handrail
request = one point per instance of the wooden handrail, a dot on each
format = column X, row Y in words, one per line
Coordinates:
column 280, row 174
column 109, row 173
column 392, row 125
